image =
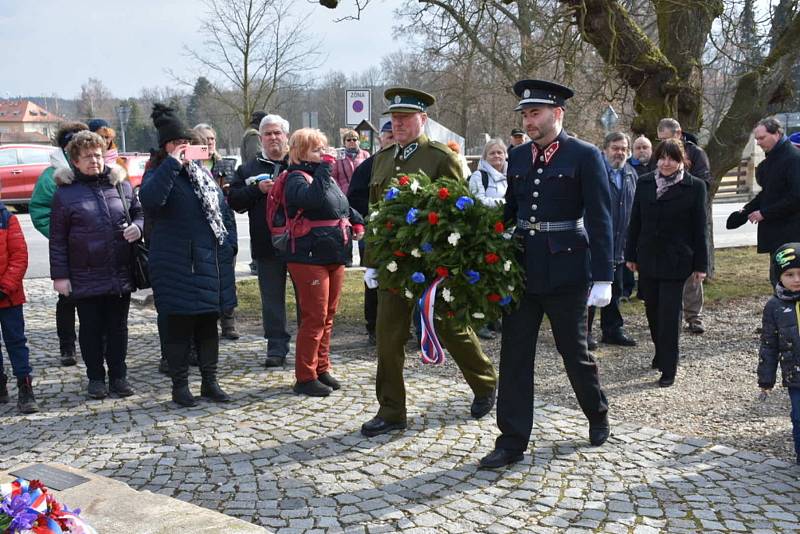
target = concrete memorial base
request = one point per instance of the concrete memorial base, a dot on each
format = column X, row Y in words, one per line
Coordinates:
column 112, row 506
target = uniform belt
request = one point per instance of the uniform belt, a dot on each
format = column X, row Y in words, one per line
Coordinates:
column 550, row 226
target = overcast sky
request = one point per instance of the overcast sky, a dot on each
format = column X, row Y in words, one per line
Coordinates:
column 53, row 46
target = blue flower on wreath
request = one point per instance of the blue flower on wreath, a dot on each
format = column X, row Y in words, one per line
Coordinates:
column 472, row 276
column 505, row 301
column 411, row 216
column 426, row 248
column 418, row 277
column 464, row 202
column 392, row 193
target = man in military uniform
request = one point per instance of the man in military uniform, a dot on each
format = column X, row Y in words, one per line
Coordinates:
column 558, row 196
column 412, row 153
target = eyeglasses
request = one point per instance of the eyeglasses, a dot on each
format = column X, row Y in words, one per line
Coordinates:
column 348, row 140
column 89, row 157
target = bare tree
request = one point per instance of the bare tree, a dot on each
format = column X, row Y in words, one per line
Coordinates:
column 95, row 100
column 253, row 49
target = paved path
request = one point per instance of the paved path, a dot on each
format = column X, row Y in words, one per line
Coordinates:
column 295, row 464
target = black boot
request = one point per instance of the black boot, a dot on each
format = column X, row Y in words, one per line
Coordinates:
column 177, row 358
column 227, row 322
column 208, row 356
column 3, row 389
column 26, row 402
column 68, row 356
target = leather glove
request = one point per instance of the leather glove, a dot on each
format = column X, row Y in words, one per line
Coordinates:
column 62, row 286
column 600, row 295
column 131, row 233
column 371, row 278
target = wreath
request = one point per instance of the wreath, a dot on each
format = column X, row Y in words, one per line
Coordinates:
column 28, row 506
column 423, row 232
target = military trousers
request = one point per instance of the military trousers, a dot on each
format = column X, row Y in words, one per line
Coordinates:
column 567, row 314
column 393, row 322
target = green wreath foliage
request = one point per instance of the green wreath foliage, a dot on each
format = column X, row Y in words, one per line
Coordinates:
column 421, row 230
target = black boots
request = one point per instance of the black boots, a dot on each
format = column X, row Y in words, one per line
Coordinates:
column 178, row 361
column 68, row 358
column 3, row 389
column 26, row 402
column 208, row 356
column 227, row 322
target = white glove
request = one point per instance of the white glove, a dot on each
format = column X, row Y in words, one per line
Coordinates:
column 131, row 233
column 62, row 286
column 600, row 295
column 371, row 278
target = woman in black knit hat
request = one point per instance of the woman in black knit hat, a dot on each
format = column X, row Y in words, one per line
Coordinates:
column 192, row 243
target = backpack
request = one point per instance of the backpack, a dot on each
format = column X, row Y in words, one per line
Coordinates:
column 484, row 179
column 284, row 230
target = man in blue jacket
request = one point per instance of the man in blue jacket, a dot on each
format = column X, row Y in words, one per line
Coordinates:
column 555, row 182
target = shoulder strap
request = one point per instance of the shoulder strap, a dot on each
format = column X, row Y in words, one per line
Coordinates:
column 124, row 199
column 485, row 179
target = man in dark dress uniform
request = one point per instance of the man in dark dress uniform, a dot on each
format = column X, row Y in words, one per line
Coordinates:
column 414, row 152
column 555, row 183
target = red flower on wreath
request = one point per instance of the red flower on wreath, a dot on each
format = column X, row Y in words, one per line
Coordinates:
column 499, row 227
column 451, row 314
column 433, row 218
column 404, row 180
column 493, row 297
column 444, row 194
column 394, row 291
column 491, row 258
column 442, row 271
column 399, row 253
column 389, row 225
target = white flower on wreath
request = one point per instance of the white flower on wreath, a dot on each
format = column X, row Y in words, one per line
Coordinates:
column 507, row 265
column 374, row 230
column 446, row 295
column 511, row 288
column 414, row 186
column 478, row 315
column 409, row 295
column 453, row 238
column 416, row 253
column 373, row 215
column 391, row 266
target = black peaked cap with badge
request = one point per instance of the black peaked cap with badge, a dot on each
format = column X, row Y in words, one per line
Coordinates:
column 405, row 100
column 541, row 92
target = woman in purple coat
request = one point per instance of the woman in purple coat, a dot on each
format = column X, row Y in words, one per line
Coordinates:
column 90, row 257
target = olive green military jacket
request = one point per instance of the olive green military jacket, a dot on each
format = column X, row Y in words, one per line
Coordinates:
column 422, row 155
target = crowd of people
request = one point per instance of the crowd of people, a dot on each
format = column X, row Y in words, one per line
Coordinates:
column 589, row 220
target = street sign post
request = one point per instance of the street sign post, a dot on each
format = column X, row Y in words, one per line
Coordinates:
column 358, row 106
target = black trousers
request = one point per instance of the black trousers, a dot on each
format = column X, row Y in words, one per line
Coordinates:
column 567, row 314
column 183, row 329
column 370, row 308
column 610, row 317
column 65, row 322
column 663, row 303
column 103, row 334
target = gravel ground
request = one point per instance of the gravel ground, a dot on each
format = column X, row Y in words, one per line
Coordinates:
column 715, row 395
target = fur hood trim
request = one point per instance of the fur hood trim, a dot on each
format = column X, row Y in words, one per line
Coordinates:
column 65, row 175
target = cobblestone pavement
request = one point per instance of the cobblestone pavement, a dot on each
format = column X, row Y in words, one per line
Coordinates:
column 295, row 464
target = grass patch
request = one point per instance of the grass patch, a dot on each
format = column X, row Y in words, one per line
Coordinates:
column 741, row 273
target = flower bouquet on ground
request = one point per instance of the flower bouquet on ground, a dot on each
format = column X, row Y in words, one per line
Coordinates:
column 435, row 242
column 29, row 507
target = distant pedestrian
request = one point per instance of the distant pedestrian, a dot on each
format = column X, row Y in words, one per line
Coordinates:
column 251, row 140
column 780, row 334
column 354, row 156
column 13, row 264
column 516, row 139
column 667, row 244
column 641, row 159
column 90, row 257
column 40, row 208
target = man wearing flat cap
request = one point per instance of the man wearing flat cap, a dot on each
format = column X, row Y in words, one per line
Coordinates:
column 558, row 198
column 413, row 152
column 517, row 138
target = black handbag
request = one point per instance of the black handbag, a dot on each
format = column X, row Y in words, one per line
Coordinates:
column 139, row 265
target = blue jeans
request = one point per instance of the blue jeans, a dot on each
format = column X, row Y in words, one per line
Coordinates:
column 272, row 285
column 794, row 397
column 12, row 322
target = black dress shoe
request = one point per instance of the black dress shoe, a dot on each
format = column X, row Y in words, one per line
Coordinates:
column 483, row 405
column 68, row 358
column 274, row 361
column 598, row 435
column 619, row 339
column 329, row 381
column 377, row 426
column 120, row 387
column 500, row 458
column 665, row 382
column 591, row 342
column 312, row 388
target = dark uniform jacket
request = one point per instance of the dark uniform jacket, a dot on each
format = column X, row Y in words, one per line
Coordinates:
column 667, row 236
column 779, row 198
column 698, row 160
column 568, row 181
column 780, row 340
column 358, row 193
column 250, row 199
column 421, row 155
column 621, row 205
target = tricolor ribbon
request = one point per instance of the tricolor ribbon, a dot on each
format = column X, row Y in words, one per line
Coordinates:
column 432, row 351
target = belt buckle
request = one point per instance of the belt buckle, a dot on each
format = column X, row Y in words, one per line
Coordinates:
column 535, row 226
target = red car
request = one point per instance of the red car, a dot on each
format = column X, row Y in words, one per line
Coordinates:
column 134, row 163
column 20, row 167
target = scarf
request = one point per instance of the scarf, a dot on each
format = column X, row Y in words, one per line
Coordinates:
column 352, row 152
column 665, row 182
column 207, row 191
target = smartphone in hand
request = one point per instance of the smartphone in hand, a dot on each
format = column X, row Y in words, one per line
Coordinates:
column 196, row 152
